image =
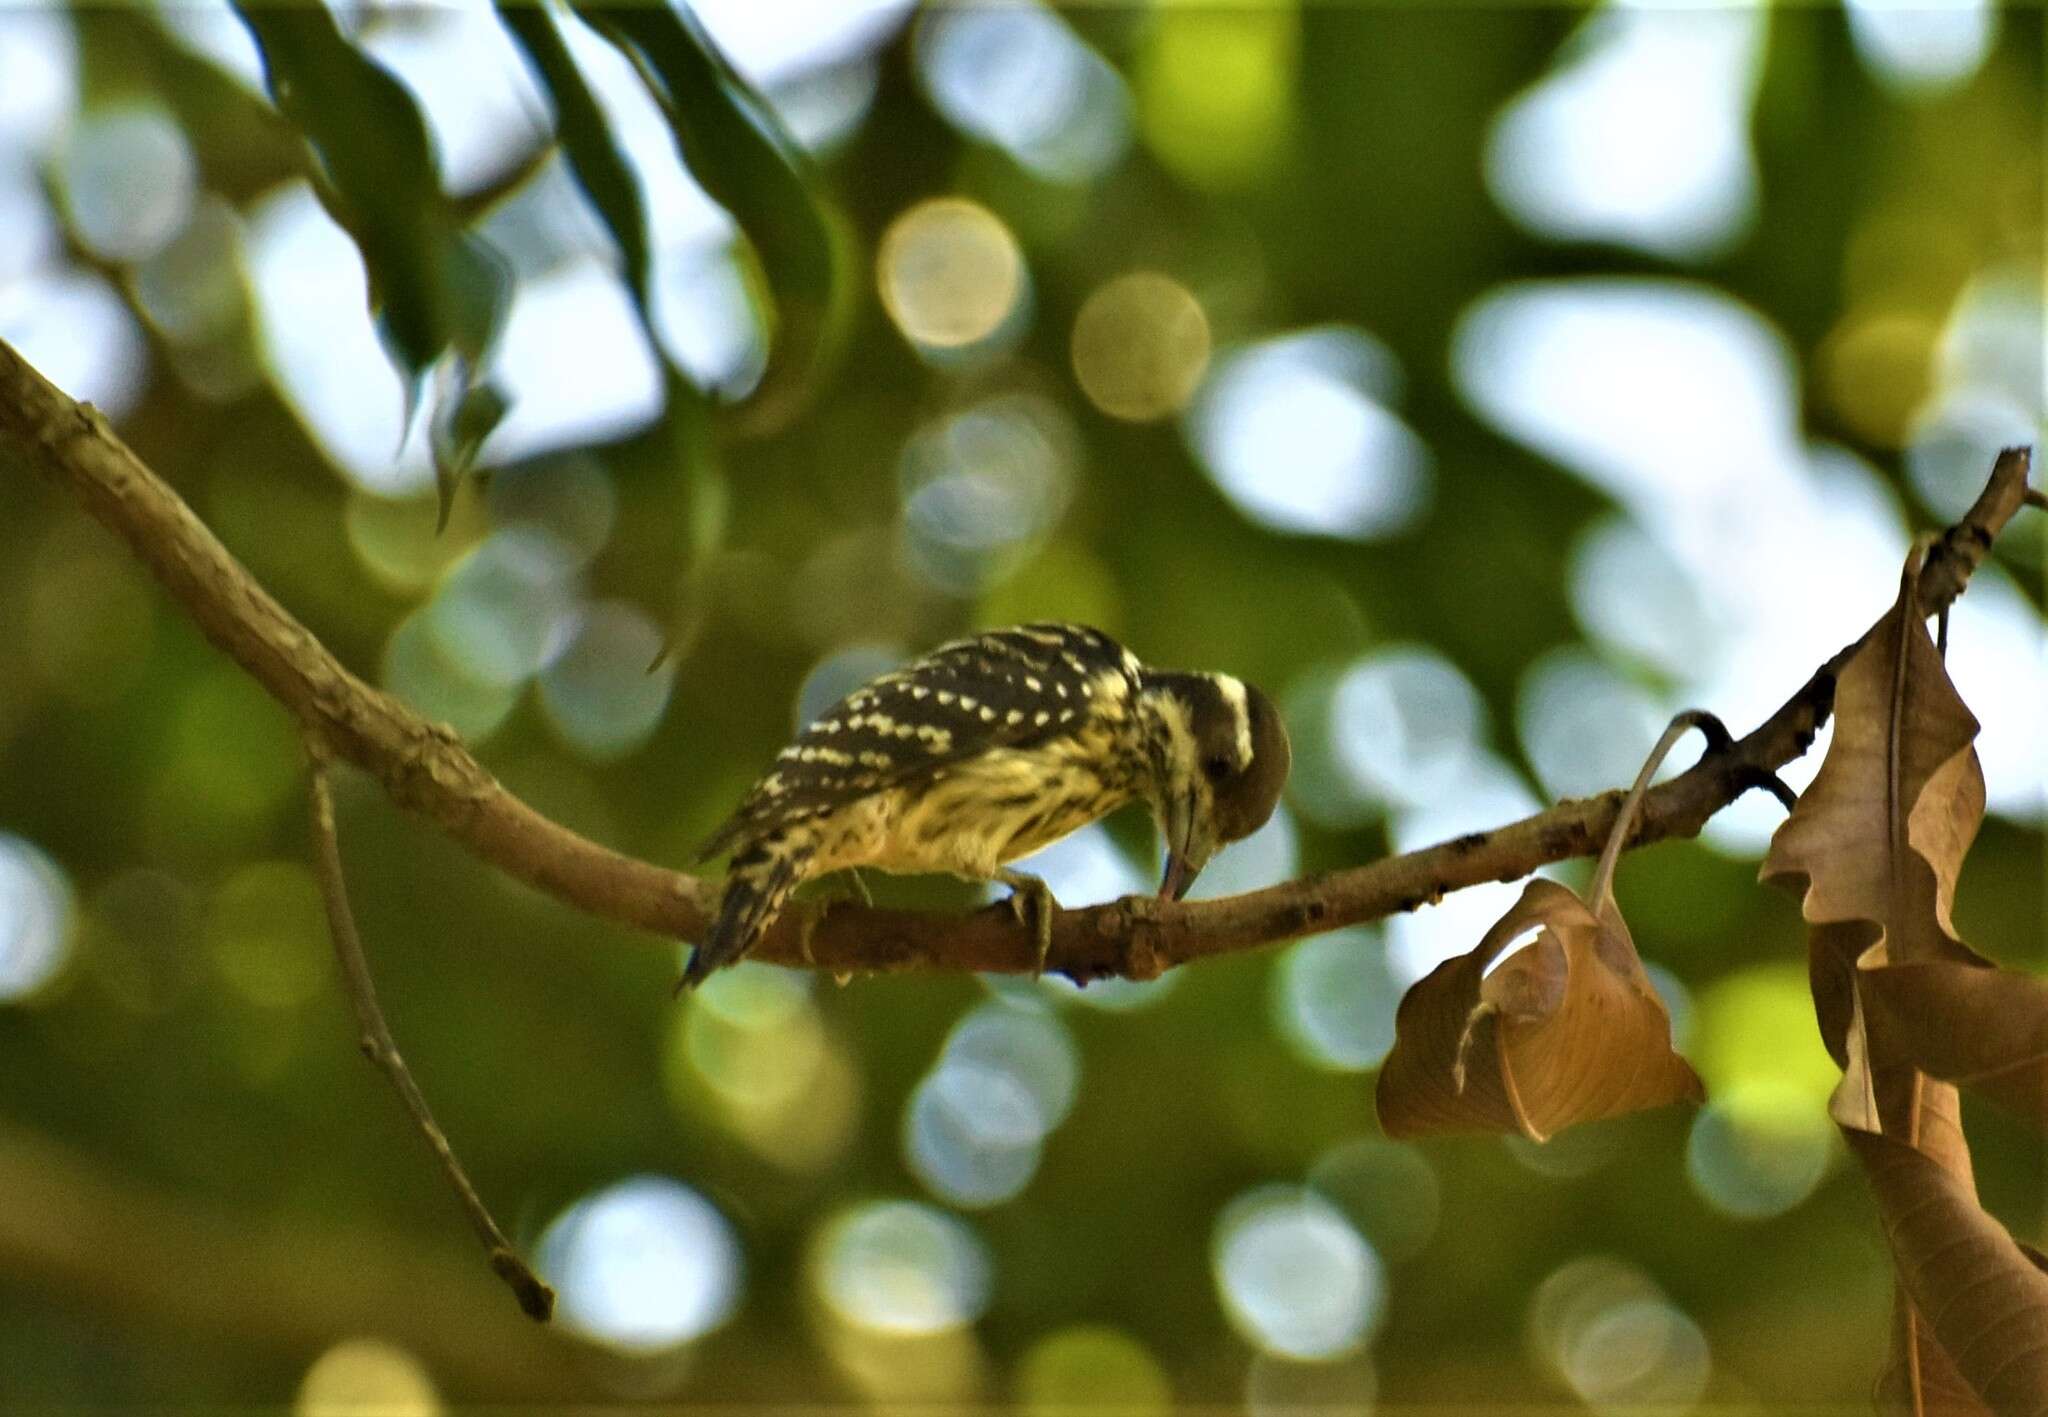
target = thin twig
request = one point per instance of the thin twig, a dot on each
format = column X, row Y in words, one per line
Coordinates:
column 425, row 768
column 535, row 1297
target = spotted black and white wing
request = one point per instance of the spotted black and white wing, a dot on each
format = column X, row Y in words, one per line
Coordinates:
column 1012, row 688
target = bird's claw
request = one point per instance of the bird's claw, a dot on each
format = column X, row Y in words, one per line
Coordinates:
column 1033, row 904
column 810, row 915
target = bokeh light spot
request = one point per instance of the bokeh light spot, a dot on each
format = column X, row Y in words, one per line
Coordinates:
column 35, row 919
column 1755, row 1026
column 1091, row 1369
column 266, row 933
column 1297, row 432
column 1585, row 728
column 1923, row 49
column 761, row 1059
column 1638, row 1355
column 837, row 675
column 950, row 273
column 974, row 1126
column 499, row 614
column 313, row 311
column 359, row 1377
column 1640, row 136
column 754, row 1037
column 1634, row 598
column 600, row 691
column 1275, row 1386
column 1296, row 1279
column 1017, row 76
column 901, row 1268
column 966, row 1136
column 76, row 330
column 1759, row 1149
column 1140, row 346
column 1334, row 999
column 1216, row 89
column 419, row 670
column 38, row 78
column 569, row 497
column 644, row 1264
column 194, row 288
column 983, row 487
column 1605, row 1327
column 1389, row 1191
column 128, row 180
column 1407, row 722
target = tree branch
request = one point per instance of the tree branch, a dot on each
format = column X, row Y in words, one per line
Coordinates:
column 536, row 1300
column 425, row 768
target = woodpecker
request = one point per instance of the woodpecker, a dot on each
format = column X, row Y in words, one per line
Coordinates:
column 982, row 752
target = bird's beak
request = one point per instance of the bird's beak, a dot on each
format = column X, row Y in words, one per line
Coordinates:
column 1186, row 850
column 1179, row 876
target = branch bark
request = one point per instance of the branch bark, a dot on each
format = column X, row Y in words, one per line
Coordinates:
column 425, row 768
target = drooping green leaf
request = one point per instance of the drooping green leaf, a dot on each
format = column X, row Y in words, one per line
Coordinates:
column 435, row 287
column 799, row 245
column 600, row 168
column 462, row 420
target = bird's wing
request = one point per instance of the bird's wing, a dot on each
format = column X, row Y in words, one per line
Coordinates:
column 1011, row 688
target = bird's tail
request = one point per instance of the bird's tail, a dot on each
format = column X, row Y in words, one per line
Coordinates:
column 756, row 887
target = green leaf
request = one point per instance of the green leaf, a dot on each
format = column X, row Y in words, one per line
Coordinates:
column 595, row 160
column 465, row 416
column 800, row 246
column 435, row 287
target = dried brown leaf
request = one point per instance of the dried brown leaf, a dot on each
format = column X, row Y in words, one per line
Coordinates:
column 1919, row 1378
column 1977, row 1293
column 1965, row 1022
column 1839, row 845
column 1877, row 842
column 1567, row 1029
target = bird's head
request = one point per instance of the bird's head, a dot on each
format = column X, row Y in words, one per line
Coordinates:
column 1219, row 759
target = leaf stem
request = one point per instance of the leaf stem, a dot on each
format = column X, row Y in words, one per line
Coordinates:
column 1601, row 893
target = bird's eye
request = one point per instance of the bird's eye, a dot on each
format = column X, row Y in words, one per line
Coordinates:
column 1217, row 768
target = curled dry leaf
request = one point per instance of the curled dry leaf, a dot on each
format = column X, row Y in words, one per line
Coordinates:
column 1981, row 1295
column 1875, row 846
column 1876, row 843
column 1969, row 1023
column 1567, row 1029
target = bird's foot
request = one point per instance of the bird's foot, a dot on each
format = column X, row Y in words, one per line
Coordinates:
column 1032, row 902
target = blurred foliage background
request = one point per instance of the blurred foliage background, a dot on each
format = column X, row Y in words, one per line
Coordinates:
column 1485, row 382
